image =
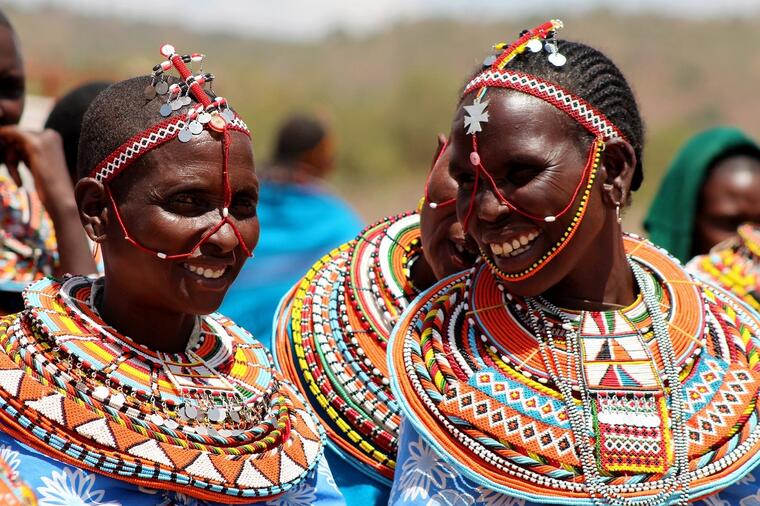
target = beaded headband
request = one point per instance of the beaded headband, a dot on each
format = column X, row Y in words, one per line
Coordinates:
column 496, row 76
column 207, row 114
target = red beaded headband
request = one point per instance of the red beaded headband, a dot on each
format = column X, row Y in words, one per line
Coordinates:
column 495, row 76
column 212, row 114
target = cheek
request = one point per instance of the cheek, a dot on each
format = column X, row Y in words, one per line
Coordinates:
column 11, row 111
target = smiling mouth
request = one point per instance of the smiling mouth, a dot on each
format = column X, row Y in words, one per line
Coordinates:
column 514, row 247
column 205, row 272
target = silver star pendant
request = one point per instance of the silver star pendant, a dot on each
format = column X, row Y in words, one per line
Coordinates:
column 477, row 115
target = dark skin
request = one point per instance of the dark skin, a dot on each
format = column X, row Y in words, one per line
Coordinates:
column 536, row 155
column 42, row 153
column 168, row 201
column 445, row 246
column 729, row 197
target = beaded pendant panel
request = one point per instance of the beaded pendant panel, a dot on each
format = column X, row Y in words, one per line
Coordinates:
column 332, row 335
column 467, row 372
column 215, row 422
column 734, row 266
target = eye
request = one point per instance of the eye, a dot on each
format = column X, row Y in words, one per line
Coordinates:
column 11, row 87
column 463, row 178
column 187, row 204
column 243, row 206
column 520, row 175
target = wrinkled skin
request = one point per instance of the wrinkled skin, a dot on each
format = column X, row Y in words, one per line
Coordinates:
column 168, row 201
column 729, row 197
column 536, row 155
column 445, row 246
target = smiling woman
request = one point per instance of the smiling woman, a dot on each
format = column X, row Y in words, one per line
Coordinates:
column 129, row 389
column 573, row 364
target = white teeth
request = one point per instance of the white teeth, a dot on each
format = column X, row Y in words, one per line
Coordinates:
column 516, row 246
column 206, row 273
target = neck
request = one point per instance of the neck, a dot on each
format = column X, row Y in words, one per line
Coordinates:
column 422, row 274
column 154, row 328
column 602, row 281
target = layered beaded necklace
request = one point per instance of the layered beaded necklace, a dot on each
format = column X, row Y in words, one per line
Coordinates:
column 332, row 335
column 734, row 266
column 214, row 421
column 633, row 406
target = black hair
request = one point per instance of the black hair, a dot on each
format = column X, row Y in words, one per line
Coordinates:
column 66, row 119
column 297, row 135
column 749, row 151
column 117, row 113
column 591, row 75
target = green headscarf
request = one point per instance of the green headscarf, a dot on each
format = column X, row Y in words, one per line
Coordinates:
column 670, row 221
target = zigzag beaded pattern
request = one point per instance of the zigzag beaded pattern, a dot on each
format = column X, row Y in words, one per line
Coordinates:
column 139, row 144
column 583, row 112
column 332, row 335
column 466, row 376
column 74, row 390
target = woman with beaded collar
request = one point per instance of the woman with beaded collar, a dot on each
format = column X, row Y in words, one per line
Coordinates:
column 332, row 329
column 187, row 409
column 642, row 389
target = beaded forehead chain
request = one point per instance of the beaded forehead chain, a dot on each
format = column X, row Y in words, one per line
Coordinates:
column 209, row 114
column 495, row 75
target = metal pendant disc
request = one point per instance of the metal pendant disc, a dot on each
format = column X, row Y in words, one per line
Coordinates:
column 176, row 104
column 534, row 45
column 171, row 424
column 185, row 100
column 204, row 118
column 191, row 412
column 117, row 400
column 200, row 429
column 216, row 415
column 557, row 59
column 217, row 123
column 162, row 87
column 165, row 110
column 234, row 415
column 489, row 60
column 228, row 114
column 157, row 419
column 184, row 135
column 195, row 127
column 101, row 392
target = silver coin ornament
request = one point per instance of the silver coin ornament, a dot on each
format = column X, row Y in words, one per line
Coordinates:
column 162, row 87
column 216, row 415
column 185, row 100
column 190, row 412
column 228, row 114
column 557, row 59
column 171, row 424
column 234, row 415
column 203, row 431
column 165, row 110
column 117, row 400
column 195, row 127
column 101, row 392
column 176, row 104
column 157, row 419
column 184, row 135
column 489, row 60
column 534, row 45
column 204, row 118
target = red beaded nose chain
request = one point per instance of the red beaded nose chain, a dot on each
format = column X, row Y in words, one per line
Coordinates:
column 174, row 127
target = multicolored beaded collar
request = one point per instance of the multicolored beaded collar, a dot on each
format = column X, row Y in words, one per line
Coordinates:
column 734, row 266
column 332, row 334
column 13, row 490
column 496, row 75
column 469, row 374
column 215, row 422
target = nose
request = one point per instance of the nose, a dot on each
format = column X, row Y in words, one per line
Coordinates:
column 224, row 238
column 488, row 206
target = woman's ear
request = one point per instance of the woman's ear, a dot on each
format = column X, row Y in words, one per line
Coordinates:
column 92, row 200
column 619, row 163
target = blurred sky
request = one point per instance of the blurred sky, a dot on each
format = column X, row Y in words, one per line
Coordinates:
column 305, row 19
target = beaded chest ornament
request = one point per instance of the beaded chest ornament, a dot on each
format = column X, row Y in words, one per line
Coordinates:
column 207, row 114
column 496, row 75
column 332, row 333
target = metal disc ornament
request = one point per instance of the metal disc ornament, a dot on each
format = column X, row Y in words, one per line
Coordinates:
column 184, row 135
column 216, row 415
column 190, row 412
column 234, row 415
column 171, row 424
column 228, row 114
column 157, row 419
column 557, row 59
column 195, row 127
column 534, row 45
column 217, row 122
column 185, row 100
column 117, row 400
column 162, row 87
column 101, row 392
column 489, row 60
column 165, row 110
column 176, row 104
column 204, row 118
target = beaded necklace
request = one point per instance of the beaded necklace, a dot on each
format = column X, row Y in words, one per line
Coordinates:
column 653, row 403
column 77, row 390
column 734, row 266
column 332, row 335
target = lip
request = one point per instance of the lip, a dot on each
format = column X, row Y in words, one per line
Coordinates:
column 515, row 258
column 460, row 256
column 220, row 283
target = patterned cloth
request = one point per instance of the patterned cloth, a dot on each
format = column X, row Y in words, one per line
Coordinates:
column 214, row 422
column 482, row 375
column 27, row 239
column 425, row 479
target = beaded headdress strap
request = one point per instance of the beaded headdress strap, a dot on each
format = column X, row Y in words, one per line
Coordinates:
column 495, row 75
column 211, row 114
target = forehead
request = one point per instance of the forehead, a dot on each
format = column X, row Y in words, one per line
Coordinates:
column 516, row 118
column 200, row 160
